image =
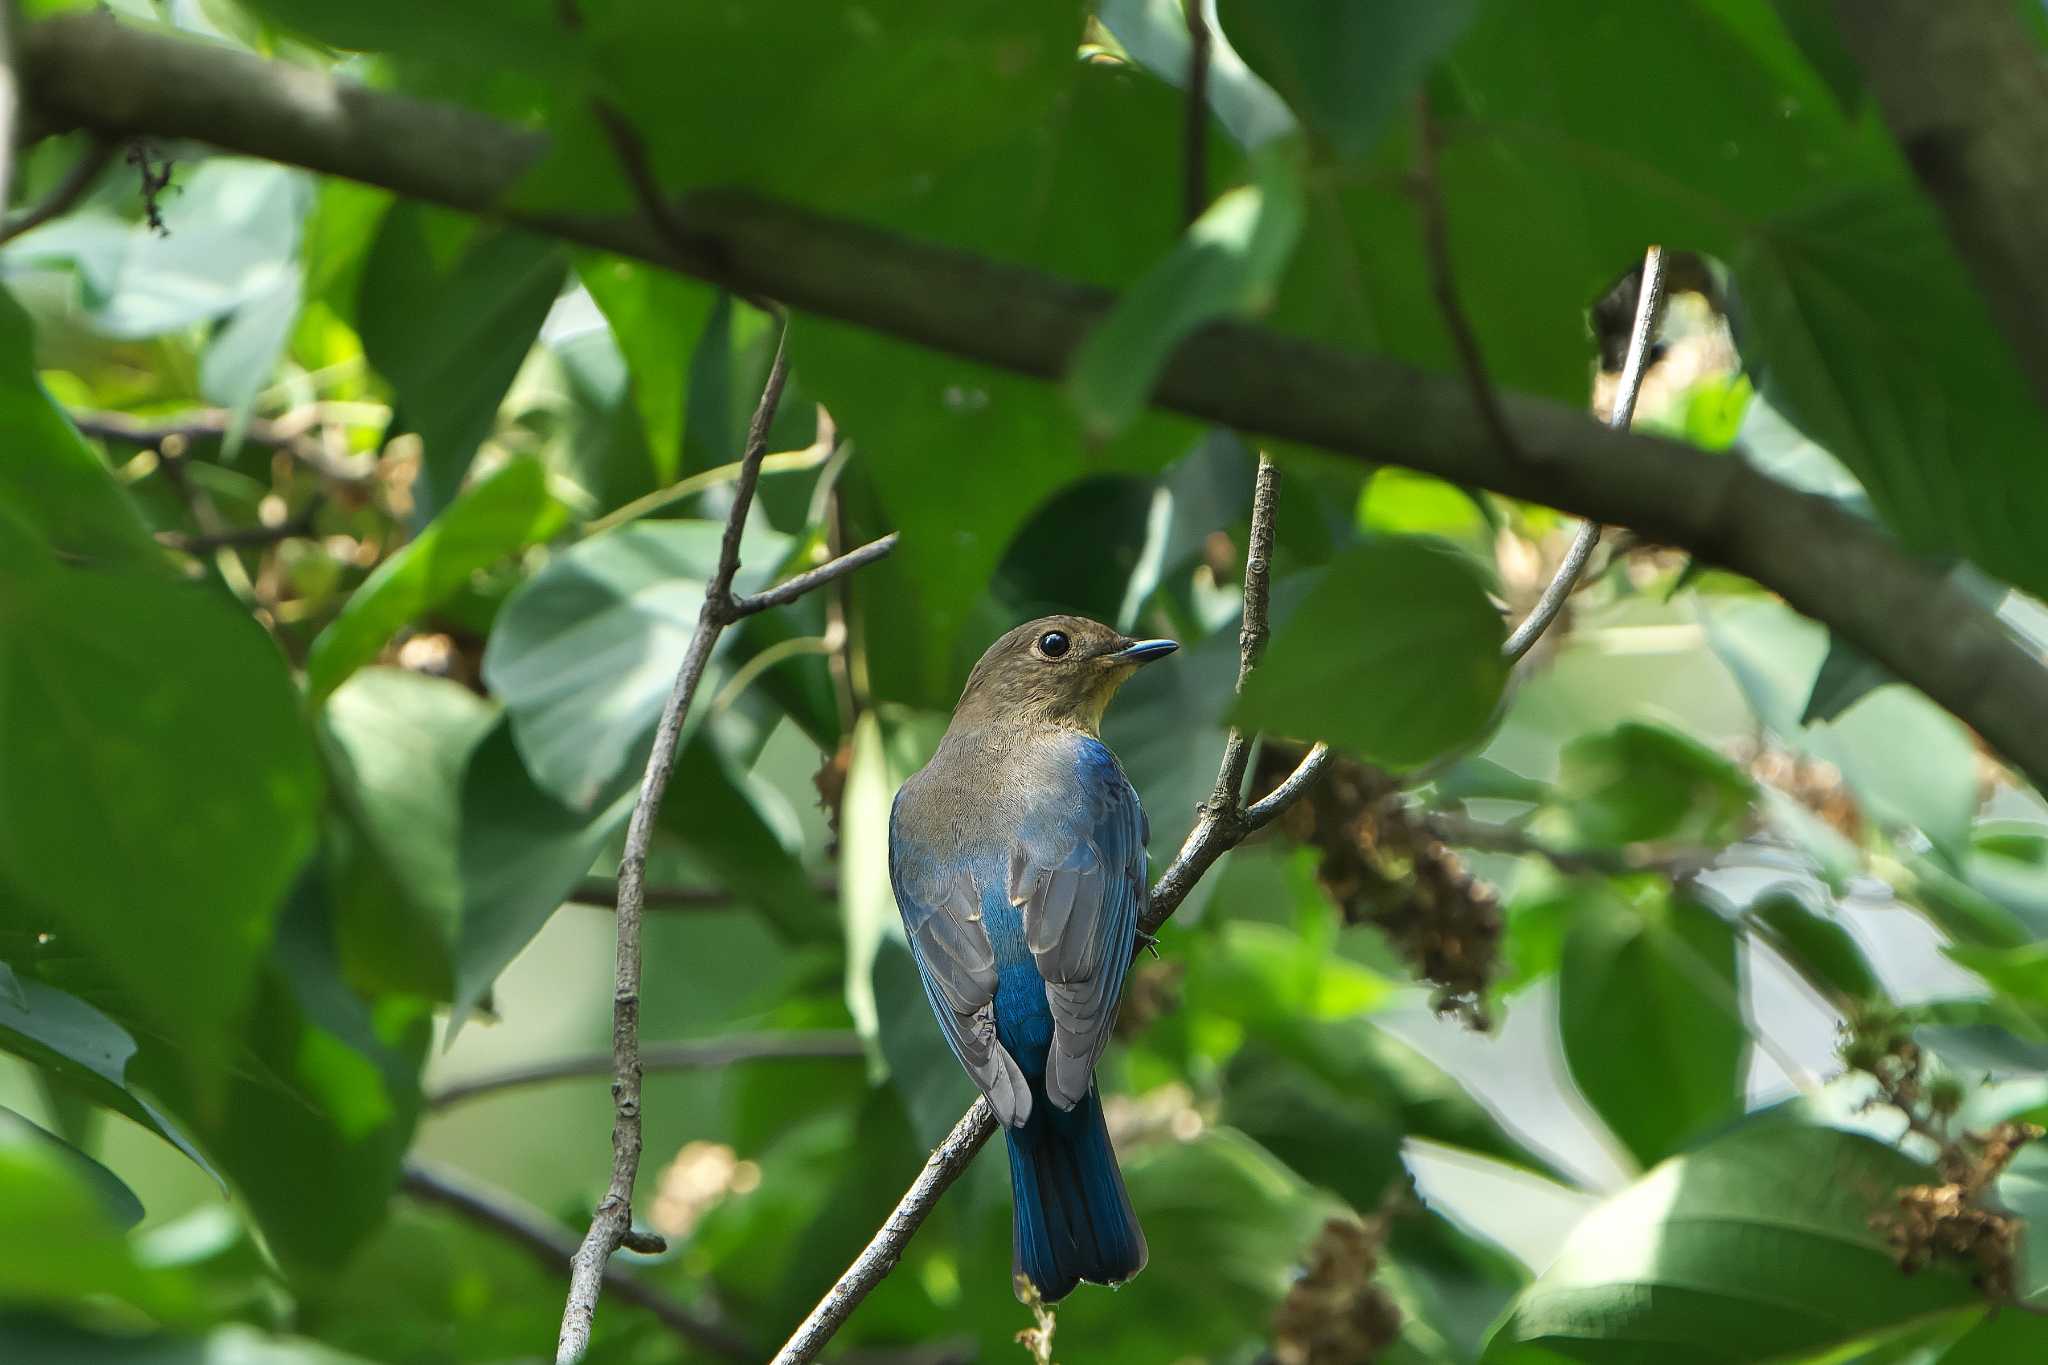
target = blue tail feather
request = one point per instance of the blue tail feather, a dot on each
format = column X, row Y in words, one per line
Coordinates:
column 1072, row 1219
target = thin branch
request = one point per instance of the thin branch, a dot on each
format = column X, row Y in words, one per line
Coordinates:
column 792, row 588
column 91, row 72
column 1649, row 301
column 1443, row 282
column 553, row 1246
column 1459, row 831
column 1194, row 142
column 242, row 537
column 1222, row 822
column 288, row 434
column 703, row 1055
column 64, row 196
column 880, row 1255
column 613, row 1220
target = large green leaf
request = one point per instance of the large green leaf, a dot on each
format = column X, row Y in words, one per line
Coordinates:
column 118, row 1201
column 1756, row 1246
column 657, row 318
column 161, row 787
column 1651, row 1019
column 52, row 479
column 312, row 1125
column 1640, row 782
column 1395, row 654
column 584, row 653
column 499, row 516
column 60, row 1242
column 447, row 311
column 79, row 1047
column 404, row 741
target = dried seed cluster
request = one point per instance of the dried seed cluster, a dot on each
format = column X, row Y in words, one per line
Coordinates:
column 1384, row 869
column 1335, row 1314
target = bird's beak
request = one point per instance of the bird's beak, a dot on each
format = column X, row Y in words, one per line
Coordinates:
column 1145, row 651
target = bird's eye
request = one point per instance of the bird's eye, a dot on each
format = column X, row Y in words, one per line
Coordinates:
column 1053, row 644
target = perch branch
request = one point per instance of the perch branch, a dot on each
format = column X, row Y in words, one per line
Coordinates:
column 1648, row 302
column 1221, row 823
column 699, row 1055
column 92, row 72
column 612, row 1224
column 554, row 1247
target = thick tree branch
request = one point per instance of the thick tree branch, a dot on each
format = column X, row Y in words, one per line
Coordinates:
column 1221, row 824
column 554, row 1247
column 91, row 72
column 1965, row 91
column 699, row 1055
column 1649, row 300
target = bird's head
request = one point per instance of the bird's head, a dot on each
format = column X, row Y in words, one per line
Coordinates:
column 1059, row 670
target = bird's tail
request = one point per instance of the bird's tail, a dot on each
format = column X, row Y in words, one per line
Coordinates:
column 1072, row 1219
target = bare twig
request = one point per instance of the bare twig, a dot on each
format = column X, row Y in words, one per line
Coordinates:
column 612, row 1222
column 553, row 1246
column 288, row 434
column 1648, row 302
column 1436, row 242
column 792, row 588
column 241, row 537
column 700, row 1055
column 64, row 196
column 1459, row 831
column 1195, row 130
column 1222, row 822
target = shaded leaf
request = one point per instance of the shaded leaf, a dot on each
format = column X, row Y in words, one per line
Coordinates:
column 1395, row 654
column 715, row 810
column 1651, row 1021
column 1816, row 946
column 585, row 652
column 157, row 757
column 117, row 1200
column 447, row 311
column 1845, row 675
column 1641, row 782
column 658, row 318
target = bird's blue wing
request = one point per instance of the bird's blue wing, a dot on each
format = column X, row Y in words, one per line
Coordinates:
column 1079, row 877
column 942, row 918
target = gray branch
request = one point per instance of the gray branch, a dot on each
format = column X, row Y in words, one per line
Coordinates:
column 91, row 72
column 701, row 1055
column 612, row 1225
column 1220, row 825
column 1648, row 302
column 554, row 1247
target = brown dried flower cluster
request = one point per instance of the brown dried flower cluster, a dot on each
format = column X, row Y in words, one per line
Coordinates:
column 1383, row 868
column 1335, row 1314
column 1812, row 782
column 1950, row 1222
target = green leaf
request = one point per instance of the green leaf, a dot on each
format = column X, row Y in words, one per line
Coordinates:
column 80, row 1048
column 1394, row 654
column 51, row 478
column 60, row 1242
column 404, row 741
column 1905, row 758
column 1641, row 782
column 1846, row 674
column 312, row 1127
column 658, row 318
column 1346, row 69
column 156, row 757
column 447, row 312
column 584, row 653
column 2023, row 1188
column 499, row 516
column 118, row 1201
column 521, row 853
column 1757, row 1246
column 1155, row 34
column 2020, row 972
column 1225, row 266
column 1816, row 946
column 714, row 809
column 1651, row 1020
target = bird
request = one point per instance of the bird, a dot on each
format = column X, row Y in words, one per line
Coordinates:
column 1018, row 860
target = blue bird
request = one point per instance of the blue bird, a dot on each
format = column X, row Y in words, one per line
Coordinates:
column 1018, row 859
